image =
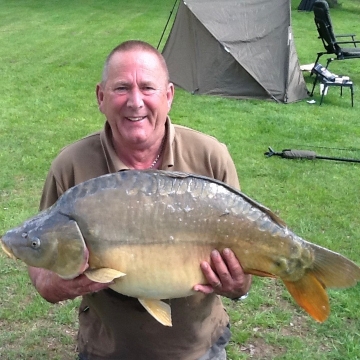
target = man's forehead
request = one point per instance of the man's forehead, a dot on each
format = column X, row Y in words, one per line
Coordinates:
column 136, row 58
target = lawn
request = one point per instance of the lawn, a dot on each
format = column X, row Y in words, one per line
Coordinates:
column 51, row 58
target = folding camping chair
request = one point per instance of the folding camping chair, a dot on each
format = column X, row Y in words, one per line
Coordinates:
column 330, row 41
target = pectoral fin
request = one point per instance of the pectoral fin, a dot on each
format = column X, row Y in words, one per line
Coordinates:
column 310, row 294
column 160, row 310
column 103, row 275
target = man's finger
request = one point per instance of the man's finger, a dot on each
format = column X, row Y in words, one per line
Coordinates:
column 206, row 289
column 233, row 264
column 221, row 269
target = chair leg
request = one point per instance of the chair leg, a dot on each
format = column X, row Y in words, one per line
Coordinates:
column 352, row 95
column 323, row 93
column 313, row 88
column 318, row 57
column 328, row 62
column 316, row 61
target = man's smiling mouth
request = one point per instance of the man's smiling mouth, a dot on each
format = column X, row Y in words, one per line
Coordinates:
column 137, row 118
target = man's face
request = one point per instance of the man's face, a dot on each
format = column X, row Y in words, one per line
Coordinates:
column 135, row 98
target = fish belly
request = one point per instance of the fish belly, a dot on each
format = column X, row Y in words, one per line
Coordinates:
column 157, row 271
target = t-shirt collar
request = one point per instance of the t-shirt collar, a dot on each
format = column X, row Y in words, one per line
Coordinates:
column 115, row 164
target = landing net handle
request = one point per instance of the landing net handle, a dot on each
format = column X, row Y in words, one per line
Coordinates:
column 305, row 154
column 298, row 154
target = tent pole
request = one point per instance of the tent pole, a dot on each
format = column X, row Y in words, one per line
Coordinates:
column 162, row 35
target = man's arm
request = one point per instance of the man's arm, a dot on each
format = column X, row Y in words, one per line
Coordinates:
column 48, row 284
column 54, row 289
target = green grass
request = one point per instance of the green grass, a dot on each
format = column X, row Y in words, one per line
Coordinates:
column 51, row 58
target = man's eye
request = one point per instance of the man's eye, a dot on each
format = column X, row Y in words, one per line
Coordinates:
column 148, row 90
column 121, row 89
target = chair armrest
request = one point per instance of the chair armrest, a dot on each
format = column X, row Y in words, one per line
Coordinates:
column 348, row 42
column 346, row 35
column 354, row 42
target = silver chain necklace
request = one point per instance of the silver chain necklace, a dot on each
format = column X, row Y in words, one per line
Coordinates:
column 160, row 152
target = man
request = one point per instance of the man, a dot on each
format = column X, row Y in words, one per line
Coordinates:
column 135, row 96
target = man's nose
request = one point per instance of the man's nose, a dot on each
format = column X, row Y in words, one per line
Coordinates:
column 135, row 99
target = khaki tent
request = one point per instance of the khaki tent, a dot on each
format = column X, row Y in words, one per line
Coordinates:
column 235, row 48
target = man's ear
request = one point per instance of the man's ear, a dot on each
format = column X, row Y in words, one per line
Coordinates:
column 170, row 94
column 99, row 95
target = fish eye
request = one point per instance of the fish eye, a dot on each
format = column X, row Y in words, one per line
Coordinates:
column 35, row 243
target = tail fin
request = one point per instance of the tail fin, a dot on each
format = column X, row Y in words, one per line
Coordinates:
column 310, row 294
column 334, row 270
column 329, row 270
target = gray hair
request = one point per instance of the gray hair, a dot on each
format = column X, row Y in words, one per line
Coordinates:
column 134, row 45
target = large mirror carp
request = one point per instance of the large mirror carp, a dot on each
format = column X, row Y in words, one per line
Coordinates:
column 149, row 230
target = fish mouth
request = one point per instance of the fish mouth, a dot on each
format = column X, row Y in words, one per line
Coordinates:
column 7, row 251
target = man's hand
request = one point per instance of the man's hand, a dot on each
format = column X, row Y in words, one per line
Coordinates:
column 225, row 275
column 54, row 289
